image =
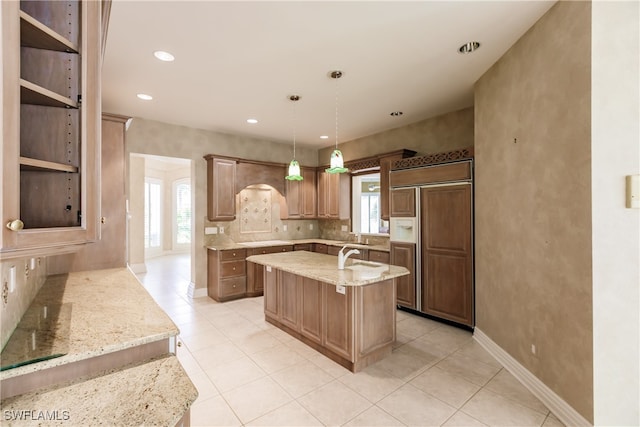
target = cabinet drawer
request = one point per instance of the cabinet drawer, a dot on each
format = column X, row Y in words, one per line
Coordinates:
column 233, row 287
column 379, row 256
column 233, row 254
column 233, row 268
column 271, row 250
column 303, row 247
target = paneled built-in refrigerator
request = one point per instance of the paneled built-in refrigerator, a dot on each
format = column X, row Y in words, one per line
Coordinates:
column 431, row 233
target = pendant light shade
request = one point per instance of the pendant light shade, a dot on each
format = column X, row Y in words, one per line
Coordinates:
column 294, row 166
column 294, row 171
column 337, row 161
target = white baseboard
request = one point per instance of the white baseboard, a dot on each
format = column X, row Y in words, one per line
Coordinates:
column 196, row 293
column 138, row 268
column 561, row 409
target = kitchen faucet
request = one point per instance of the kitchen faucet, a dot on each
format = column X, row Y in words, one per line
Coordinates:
column 342, row 257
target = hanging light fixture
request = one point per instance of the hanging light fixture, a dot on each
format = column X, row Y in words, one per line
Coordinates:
column 294, row 166
column 337, row 161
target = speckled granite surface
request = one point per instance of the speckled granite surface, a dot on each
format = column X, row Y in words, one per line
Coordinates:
column 111, row 311
column 244, row 245
column 155, row 393
column 325, row 268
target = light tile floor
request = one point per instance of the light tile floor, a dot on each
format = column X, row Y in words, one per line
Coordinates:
column 250, row 373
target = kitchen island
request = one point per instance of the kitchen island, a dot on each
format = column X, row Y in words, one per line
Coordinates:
column 348, row 315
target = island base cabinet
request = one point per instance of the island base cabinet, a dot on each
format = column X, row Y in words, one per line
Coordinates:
column 352, row 325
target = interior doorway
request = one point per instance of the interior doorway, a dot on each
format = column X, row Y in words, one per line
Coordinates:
column 160, row 210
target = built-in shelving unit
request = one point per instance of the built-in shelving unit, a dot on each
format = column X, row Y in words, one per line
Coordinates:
column 51, row 137
column 34, row 33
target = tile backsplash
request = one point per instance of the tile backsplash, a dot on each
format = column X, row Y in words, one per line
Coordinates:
column 258, row 217
column 30, row 275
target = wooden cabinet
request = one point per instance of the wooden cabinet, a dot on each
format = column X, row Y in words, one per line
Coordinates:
column 379, row 256
column 334, row 195
column 51, row 55
column 404, row 255
column 110, row 251
column 403, row 202
column 338, row 326
column 226, row 271
column 320, row 248
column 221, row 189
column 447, row 263
column 303, row 247
column 302, row 196
column 353, row 325
column 311, row 315
column 255, row 272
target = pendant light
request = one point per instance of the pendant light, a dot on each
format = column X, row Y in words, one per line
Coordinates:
column 294, row 166
column 337, row 161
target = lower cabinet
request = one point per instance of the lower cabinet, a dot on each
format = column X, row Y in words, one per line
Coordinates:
column 404, row 255
column 255, row 277
column 226, row 271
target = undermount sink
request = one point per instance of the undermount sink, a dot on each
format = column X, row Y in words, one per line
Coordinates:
column 366, row 270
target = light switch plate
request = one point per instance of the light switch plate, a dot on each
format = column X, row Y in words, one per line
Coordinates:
column 284, row 227
column 633, row 191
column 344, row 228
column 211, row 230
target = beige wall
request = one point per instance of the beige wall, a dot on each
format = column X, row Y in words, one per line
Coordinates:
column 615, row 149
column 163, row 139
column 442, row 133
column 533, row 203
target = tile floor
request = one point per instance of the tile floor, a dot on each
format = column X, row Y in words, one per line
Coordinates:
column 250, row 373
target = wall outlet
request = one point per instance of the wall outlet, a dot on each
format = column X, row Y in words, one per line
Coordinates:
column 284, row 227
column 221, row 230
column 534, row 350
column 211, row 230
column 310, row 226
column 12, row 278
column 341, row 289
column 344, row 228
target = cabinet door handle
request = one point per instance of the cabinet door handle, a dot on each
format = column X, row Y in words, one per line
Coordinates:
column 234, row 254
column 15, row 225
column 234, row 286
column 234, row 269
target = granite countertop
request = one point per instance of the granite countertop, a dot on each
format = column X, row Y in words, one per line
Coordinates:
column 325, row 268
column 162, row 391
column 110, row 311
column 258, row 244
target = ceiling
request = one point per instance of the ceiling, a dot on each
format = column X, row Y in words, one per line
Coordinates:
column 236, row 60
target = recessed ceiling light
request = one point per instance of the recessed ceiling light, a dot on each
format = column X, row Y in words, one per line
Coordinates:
column 163, row 56
column 145, row 97
column 395, row 113
column 252, row 121
column 468, row 47
column 324, row 137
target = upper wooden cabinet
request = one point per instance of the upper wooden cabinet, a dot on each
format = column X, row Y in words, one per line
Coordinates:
column 334, row 195
column 51, row 54
column 403, row 202
column 386, row 161
column 302, row 196
column 221, row 189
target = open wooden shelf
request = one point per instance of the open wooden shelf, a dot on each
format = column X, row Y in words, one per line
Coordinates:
column 29, row 164
column 31, row 93
column 33, row 33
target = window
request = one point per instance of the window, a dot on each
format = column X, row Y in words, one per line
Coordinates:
column 182, row 213
column 366, row 205
column 152, row 213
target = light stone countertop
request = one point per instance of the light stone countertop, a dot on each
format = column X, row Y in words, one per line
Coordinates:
column 257, row 244
column 324, row 268
column 154, row 393
column 110, row 311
